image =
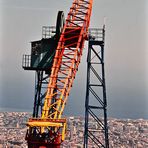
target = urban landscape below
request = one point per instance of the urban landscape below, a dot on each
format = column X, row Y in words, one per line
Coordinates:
column 123, row 133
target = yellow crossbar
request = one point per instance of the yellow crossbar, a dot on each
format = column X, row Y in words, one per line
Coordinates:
column 44, row 124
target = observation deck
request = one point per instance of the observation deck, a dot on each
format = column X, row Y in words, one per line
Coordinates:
column 96, row 36
column 42, row 51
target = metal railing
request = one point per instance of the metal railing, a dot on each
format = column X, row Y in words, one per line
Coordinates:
column 96, row 34
column 48, row 31
column 26, row 62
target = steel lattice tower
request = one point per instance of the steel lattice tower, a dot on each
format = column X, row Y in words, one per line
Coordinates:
column 96, row 128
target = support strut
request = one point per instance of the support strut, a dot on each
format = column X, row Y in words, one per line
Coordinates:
column 96, row 102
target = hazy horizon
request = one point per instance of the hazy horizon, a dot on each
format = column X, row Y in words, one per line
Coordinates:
column 126, row 50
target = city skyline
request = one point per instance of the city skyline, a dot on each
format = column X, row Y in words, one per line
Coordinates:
column 122, row 133
column 126, row 62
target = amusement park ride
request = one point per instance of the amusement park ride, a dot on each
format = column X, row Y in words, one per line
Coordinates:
column 56, row 58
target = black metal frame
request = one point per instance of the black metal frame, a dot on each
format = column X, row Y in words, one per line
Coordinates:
column 41, row 74
column 41, row 82
column 96, row 91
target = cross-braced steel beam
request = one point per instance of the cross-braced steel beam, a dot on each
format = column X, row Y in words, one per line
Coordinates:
column 96, row 128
